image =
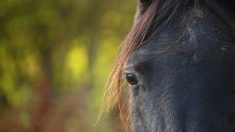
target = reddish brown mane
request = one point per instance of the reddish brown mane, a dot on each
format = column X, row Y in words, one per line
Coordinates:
column 131, row 43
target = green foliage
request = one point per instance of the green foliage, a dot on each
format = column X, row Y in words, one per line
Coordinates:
column 55, row 56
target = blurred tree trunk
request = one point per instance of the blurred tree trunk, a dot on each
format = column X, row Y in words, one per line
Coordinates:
column 42, row 100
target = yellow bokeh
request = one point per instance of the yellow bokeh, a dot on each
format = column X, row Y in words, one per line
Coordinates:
column 77, row 60
column 55, row 57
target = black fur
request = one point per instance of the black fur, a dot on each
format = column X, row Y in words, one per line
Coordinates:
column 185, row 67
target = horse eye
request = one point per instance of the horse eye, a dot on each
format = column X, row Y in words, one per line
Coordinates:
column 131, row 79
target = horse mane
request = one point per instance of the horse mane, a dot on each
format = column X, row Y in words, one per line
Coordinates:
column 155, row 16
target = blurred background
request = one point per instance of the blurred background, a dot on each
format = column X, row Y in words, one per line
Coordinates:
column 55, row 57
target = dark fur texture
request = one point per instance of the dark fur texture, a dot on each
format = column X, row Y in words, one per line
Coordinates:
column 183, row 55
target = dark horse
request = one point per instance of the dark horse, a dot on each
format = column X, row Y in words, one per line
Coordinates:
column 179, row 61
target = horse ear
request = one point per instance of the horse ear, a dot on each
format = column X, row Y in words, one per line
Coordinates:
column 142, row 6
column 145, row 1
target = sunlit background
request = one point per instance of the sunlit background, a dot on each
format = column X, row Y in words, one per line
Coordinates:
column 55, row 56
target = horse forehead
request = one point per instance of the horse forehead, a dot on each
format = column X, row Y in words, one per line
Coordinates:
column 197, row 31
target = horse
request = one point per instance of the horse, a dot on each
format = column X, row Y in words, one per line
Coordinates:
column 179, row 62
